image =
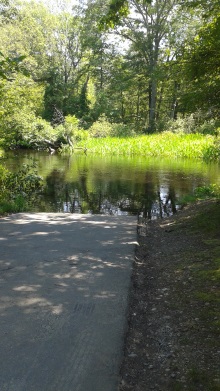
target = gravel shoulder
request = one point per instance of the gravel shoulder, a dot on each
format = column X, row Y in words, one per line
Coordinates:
column 172, row 340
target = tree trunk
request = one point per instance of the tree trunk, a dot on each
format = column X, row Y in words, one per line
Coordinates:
column 152, row 105
column 174, row 105
column 159, row 103
column 138, row 108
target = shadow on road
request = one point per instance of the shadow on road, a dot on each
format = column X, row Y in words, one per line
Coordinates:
column 64, row 285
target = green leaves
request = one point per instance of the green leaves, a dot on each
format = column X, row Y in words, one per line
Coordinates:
column 8, row 66
column 118, row 9
column 202, row 67
column 19, row 189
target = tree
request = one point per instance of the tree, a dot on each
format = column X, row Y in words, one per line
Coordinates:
column 7, row 11
column 10, row 66
column 136, row 72
column 98, row 55
column 149, row 33
column 201, row 65
column 117, row 10
column 157, row 37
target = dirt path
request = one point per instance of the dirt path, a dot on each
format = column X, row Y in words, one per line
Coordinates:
column 172, row 343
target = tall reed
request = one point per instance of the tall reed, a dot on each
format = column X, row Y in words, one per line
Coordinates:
column 165, row 144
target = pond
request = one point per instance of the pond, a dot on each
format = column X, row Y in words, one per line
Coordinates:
column 150, row 188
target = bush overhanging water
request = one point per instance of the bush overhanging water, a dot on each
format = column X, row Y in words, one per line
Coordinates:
column 18, row 189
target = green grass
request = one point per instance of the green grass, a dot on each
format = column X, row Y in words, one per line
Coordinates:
column 208, row 222
column 166, row 145
column 200, row 193
column 206, row 264
column 197, row 380
column 202, row 267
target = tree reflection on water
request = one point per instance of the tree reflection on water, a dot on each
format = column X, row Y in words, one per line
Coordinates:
column 149, row 188
column 112, row 197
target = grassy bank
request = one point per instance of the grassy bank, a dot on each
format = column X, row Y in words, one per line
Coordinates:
column 167, row 144
column 199, row 272
column 174, row 320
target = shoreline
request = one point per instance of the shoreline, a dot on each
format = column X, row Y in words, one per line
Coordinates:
column 173, row 321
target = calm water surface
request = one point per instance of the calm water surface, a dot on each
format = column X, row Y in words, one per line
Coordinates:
column 150, row 188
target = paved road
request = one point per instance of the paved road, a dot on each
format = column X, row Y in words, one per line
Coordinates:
column 64, row 283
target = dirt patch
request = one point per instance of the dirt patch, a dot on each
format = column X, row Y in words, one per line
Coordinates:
column 172, row 341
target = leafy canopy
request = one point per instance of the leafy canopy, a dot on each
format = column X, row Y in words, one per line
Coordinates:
column 8, row 66
column 117, row 10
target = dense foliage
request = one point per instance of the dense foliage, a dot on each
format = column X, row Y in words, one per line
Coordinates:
column 107, row 68
column 18, row 189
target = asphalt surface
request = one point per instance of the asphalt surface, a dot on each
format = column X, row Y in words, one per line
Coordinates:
column 64, row 282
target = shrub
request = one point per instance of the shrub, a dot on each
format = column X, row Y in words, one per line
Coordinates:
column 208, row 191
column 72, row 122
column 15, row 126
column 80, row 135
column 182, row 125
column 193, row 124
column 70, row 131
column 24, row 129
column 101, row 128
column 3, row 175
column 25, row 181
column 122, row 130
column 41, row 130
column 209, row 127
column 162, row 124
column 213, row 151
column 18, row 189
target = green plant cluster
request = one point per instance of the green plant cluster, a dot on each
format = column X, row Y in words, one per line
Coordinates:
column 184, row 138
column 189, row 137
column 26, row 130
column 212, row 191
column 70, row 131
column 18, row 189
column 166, row 144
column 103, row 128
column 202, row 193
column 212, row 153
column 193, row 123
column 82, row 73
